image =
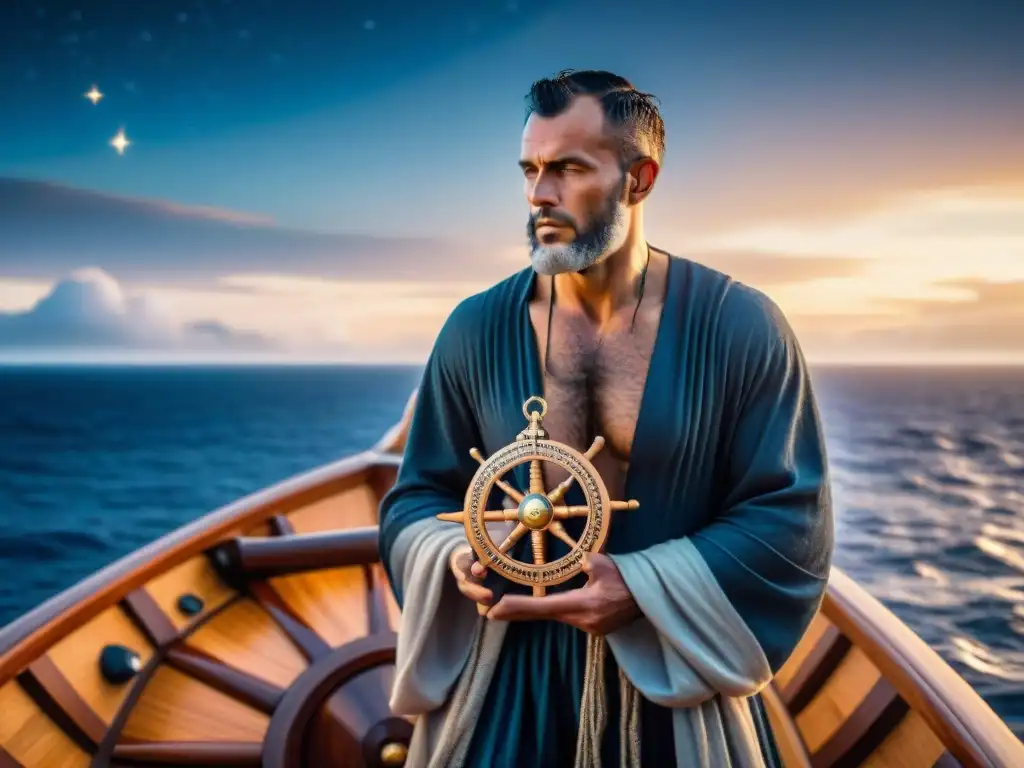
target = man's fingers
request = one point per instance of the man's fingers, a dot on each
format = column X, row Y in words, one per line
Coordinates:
column 466, row 568
column 476, row 592
column 520, row 607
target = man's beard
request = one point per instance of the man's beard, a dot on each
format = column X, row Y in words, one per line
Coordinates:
column 590, row 245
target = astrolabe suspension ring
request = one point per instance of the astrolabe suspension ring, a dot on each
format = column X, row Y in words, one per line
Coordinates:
column 537, row 511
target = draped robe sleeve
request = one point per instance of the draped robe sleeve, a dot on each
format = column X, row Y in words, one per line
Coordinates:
column 441, row 634
column 723, row 608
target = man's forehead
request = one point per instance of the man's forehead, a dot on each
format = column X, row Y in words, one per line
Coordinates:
column 580, row 128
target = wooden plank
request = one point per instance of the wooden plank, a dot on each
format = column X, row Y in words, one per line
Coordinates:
column 911, row 744
column 837, row 699
column 246, row 637
column 819, row 664
column 177, row 707
column 193, row 577
column 332, row 602
column 874, row 719
column 77, row 658
column 30, row 737
column 353, row 508
column 55, row 696
column 795, row 662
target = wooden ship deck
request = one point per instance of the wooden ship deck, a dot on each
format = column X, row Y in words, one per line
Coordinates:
column 263, row 634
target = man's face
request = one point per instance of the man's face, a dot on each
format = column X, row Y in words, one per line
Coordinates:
column 575, row 186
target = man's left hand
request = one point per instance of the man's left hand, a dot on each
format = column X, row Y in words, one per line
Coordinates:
column 602, row 605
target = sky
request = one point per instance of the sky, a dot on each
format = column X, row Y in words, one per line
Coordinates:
column 311, row 180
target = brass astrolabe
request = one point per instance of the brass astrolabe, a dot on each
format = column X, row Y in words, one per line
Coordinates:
column 538, row 512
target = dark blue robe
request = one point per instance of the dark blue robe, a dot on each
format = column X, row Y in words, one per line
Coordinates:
column 728, row 451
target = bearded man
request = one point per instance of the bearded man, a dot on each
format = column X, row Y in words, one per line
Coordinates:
column 701, row 392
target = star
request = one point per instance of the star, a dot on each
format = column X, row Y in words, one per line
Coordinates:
column 120, row 142
column 94, row 95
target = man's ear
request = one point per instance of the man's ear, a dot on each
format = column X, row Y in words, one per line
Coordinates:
column 642, row 177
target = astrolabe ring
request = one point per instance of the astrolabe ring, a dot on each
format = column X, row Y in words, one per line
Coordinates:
column 537, row 512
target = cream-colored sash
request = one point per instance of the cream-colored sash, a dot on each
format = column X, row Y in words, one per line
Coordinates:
column 690, row 651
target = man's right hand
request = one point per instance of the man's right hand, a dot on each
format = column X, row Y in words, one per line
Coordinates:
column 469, row 574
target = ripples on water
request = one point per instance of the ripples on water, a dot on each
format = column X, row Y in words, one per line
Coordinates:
column 928, row 476
column 927, row 468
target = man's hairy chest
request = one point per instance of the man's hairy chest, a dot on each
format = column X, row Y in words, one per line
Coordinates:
column 594, row 386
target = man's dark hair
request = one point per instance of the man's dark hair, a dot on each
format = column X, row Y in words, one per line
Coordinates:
column 631, row 113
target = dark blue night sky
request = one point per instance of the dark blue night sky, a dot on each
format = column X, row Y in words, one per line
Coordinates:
column 198, row 69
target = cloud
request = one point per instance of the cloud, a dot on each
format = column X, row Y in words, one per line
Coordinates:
column 937, row 234
column 49, row 229
column 88, row 310
column 767, row 269
column 980, row 320
column 988, row 317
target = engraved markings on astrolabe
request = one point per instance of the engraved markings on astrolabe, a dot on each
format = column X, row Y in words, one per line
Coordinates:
column 538, row 511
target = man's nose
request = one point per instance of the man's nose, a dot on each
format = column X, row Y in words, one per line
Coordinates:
column 542, row 192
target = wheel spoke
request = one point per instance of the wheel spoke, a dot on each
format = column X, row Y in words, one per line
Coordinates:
column 580, row 510
column 536, row 477
column 517, row 533
column 500, row 515
column 562, row 488
column 490, row 516
column 558, row 531
column 452, row 517
column 537, row 539
column 511, row 492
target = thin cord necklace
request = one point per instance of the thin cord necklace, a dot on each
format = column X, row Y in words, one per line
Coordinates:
column 632, row 323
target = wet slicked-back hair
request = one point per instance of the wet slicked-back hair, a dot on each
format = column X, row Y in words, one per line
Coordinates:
column 631, row 113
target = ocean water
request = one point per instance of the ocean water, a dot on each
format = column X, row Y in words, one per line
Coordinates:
column 927, row 469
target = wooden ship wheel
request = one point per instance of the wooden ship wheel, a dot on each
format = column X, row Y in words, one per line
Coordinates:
column 262, row 635
column 537, row 511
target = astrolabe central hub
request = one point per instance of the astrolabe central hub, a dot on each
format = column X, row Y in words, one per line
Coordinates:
column 535, row 511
